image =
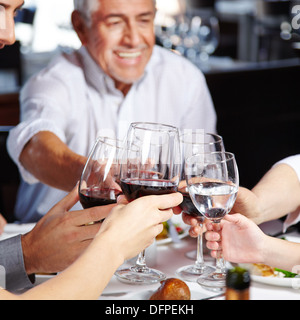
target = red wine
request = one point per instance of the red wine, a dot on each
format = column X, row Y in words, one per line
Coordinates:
column 92, row 197
column 136, row 188
column 188, row 206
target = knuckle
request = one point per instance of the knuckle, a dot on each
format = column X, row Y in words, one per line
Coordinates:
column 65, row 220
column 71, row 236
column 94, row 214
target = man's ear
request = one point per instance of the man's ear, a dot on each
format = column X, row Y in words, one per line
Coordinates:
column 79, row 26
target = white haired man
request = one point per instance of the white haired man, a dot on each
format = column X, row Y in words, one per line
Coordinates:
column 117, row 77
column 62, row 239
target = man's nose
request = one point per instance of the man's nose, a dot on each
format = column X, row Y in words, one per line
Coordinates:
column 132, row 35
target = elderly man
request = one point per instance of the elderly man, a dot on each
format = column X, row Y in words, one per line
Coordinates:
column 117, row 77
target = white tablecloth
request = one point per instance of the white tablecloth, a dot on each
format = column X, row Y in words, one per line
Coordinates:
column 170, row 256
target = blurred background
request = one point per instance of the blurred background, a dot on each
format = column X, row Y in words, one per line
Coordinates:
column 248, row 50
column 212, row 34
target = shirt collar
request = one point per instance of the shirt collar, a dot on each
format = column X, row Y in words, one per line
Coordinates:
column 95, row 76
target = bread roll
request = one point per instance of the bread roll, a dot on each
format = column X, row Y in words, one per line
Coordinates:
column 172, row 289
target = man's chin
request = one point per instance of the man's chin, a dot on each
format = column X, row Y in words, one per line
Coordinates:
column 126, row 80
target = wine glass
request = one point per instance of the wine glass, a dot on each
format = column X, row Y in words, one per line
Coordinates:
column 99, row 182
column 197, row 141
column 153, row 170
column 213, row 182
column 194, row 142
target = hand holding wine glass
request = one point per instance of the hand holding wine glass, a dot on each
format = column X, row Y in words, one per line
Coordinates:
column 194, row 142
column 99, row 180
column 213, row 182
column 150, row 166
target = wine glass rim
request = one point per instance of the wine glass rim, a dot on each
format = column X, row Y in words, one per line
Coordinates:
column 160, row 126
column 108, row 141
column 229, row 156
column 220, row 139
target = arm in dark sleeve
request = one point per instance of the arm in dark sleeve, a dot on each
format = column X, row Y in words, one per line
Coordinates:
column 12, row 262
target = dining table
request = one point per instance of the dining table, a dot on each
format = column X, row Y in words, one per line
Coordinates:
column 168, row 255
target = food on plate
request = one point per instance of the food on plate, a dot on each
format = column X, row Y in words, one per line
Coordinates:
column 172, row 289
column 165, row 233
column 259, row 269
column 263, row 270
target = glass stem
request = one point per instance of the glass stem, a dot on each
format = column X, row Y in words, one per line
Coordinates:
column 140, row 265
column 220, row 262
column 200, row 261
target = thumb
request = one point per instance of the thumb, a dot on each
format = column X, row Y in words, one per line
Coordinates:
column 68, row 201
column 237, row 219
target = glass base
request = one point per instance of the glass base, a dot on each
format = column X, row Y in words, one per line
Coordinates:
column 192, row 272
column 193, row 255
column 215, row 282
column 142, row 276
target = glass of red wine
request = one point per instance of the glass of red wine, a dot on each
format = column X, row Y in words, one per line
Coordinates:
column 213, row 182
column 99, row 183
column 153, row 170
column 194, row 142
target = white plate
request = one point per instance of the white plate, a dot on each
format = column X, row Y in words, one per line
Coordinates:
column 280, row 282
column 292, row 238
column 146, row 294
column 277, row 281
column 168, row 240
column 177, row 220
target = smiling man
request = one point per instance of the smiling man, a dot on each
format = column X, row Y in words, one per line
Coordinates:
column 120, row 38
column 118, row 76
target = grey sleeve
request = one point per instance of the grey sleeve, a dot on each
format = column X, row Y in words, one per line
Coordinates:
column 12, row 263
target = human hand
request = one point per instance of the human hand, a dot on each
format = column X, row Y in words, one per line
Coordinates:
column 195, row 229
column 240, row 239
column 3, row 223
column 247, row 203
column 61, row 235
column 134, row 226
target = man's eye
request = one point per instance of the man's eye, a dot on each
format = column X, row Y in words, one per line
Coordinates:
column 145, row 21
column 114, row 22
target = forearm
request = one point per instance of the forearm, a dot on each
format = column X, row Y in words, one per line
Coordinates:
column 12, row 260
column 49, row 159
column 84, row 279
column 278, row 193
column 281, row 254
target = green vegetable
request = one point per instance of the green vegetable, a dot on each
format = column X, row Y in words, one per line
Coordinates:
column 287, row 274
